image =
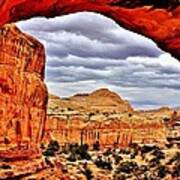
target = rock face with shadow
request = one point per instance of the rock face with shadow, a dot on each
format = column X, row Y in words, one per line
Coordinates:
column 156, row 19
column 23, row 94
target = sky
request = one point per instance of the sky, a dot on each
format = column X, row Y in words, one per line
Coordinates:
column 87, row 51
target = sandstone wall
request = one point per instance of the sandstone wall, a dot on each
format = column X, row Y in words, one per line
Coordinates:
column 23, row 95
column 115, row 132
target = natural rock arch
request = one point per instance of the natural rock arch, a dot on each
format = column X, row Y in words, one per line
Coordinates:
column 161, row 23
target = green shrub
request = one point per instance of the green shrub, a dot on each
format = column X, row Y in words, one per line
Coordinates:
column 53, row 147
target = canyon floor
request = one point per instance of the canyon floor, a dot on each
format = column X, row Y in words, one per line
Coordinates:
column 138, row 162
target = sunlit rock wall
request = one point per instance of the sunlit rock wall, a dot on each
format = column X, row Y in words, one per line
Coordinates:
column 108, row 133
column 23, row 94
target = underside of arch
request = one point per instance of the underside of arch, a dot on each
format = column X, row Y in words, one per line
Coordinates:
column 158, row 21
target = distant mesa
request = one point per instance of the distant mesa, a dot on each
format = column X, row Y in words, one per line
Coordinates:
column 104, row 92
column 52, row 96
column 164, row 109
column 102, row 100
column 161, row 110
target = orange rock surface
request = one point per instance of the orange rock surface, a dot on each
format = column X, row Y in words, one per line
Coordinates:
column 113, row 122
column 119, row 132
column 160, row 23
column 23, row 95
column 101, row 100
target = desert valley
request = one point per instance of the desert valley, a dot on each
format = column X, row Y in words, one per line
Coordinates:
column 104, row 116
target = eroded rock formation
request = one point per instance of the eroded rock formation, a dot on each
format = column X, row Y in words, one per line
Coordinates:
column 158, row 20
column 23, row 95
column 102, row 100
column 113, row 122
column 117, row 131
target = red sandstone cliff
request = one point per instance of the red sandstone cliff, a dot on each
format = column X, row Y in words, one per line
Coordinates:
column 23, row 95
column 159, row 22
